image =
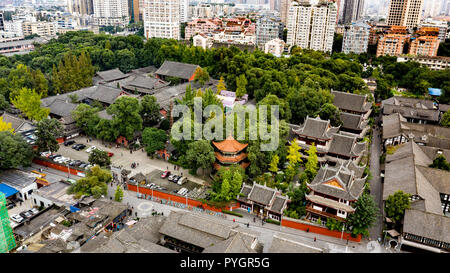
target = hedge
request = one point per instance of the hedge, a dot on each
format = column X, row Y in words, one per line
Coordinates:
column 232, row 213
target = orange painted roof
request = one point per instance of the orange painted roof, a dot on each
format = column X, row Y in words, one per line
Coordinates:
column 230, row 145
column 230, row 159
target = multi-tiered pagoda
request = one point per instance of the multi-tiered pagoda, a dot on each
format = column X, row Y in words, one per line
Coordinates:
column 230, row 152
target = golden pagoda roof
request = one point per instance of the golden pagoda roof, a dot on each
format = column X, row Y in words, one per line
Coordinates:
column 230, row 145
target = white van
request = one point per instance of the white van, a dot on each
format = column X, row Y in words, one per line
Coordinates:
column 182, row 180
column 182, row 191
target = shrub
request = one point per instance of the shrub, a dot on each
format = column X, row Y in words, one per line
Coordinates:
column 232, row 213
column 271, row 221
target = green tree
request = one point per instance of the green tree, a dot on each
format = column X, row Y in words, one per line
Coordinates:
column 221, row 85
column 86, row 118
column 445, row 121
column 118, row 196
column 440, row 163
column 126, row 118
column 396, row 205
column 241, row 83
column 150, row 111
column 273, row 166
column 330, row 112
column 154, row 140
column 105, row 131
column 364, row 216
column 47, row 130
column 201, row 76
column 4, row 105
column 29, row 102
column 228, row 183
column 311, row 165
column 306, row 101
column 14, row 151
column 99, row 157
column 94, row 184
column 200, row 154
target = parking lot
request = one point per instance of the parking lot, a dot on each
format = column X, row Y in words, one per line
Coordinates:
column 195, row 190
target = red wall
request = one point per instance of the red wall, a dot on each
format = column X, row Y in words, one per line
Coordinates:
column 319, row 230
column 176, row 198
column 56, row 166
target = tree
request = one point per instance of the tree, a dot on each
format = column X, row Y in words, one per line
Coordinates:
column 118, row 196
column 330, row 112
column 29, row 102
column 396, row 204
column 154, row 140
column 200, row 154
column 297, row 206
column 306, row 101
column 4, row 105
column 366, row 212
column 221, row 85
column 150, row 111
column 4, row 126
column 126, row 119
column 440, row 163
column 99, row 157
column 283, row 106
column 445, row 121
column 273, row 167
column 337, row 42
column 14, row 151
column 241, row 83
column 201, row 76
column 86, row 118
column 47, row 130
column 294, row 156
column 311, row 166
column 228, row 183
column 105, row 131
column 94, row 184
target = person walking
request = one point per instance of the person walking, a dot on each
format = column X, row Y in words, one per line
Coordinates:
column 315, row 239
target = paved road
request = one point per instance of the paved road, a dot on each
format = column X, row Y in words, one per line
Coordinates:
column 376, row 187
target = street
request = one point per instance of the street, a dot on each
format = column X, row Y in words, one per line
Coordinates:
column 376, row 186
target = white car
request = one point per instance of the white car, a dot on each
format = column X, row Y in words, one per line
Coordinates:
column 34, row 211
column 17, row 218
column 45, row 154
column 90, row 149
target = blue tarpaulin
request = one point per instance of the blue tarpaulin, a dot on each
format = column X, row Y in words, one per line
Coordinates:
column 74, row 209
column 7, row 190
column 434, row 91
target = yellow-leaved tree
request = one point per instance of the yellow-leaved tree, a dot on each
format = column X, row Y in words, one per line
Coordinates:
column 29, row 102
column 5, row 126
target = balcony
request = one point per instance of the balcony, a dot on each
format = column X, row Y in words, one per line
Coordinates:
column 310, row 209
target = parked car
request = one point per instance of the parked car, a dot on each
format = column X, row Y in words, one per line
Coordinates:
column 177, row 177
column 171, row 177
column 17, row 218
column 90, row 149
column 182, row 180
column 54, row 156
column 10, row 205
column 83, row 165
column 46, row 154
column 26, row 214
column 78, row 146
column 34, row 211
column 165, row 174
column 69, row 142
column 88, row 166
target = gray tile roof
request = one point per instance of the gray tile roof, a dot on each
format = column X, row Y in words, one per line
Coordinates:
column 428, row 225
column 351, row 102
column 352, row 121
column 262, row 194
column 18, row 124
column 349, row 177
column 316, row 128
column 199, row 230
column 346, row 145
column 144, row 84
column 279, row 203
column 392, row 125
column 411, row 108
column 406, row 170
column 61, row 108
column 176, row 69
column 234, row 244
column 245, row 190
column 111, row 75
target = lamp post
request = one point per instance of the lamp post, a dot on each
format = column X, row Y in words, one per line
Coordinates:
column 342, row 233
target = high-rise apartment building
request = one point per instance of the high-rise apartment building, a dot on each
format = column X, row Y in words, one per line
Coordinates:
column 405, row 13
column 184, row 11
column 442, row 25
column 393, row 42
column 425, row 42
column 353, row 10
column 356, row 38
column 134, row 10
column 7, row 241
column 81, row 7
column 2, row 24
column 312, row 24
column 111, row 12
column 284, row 10
column 40, row 28
column 162, row 19
column 267, row 29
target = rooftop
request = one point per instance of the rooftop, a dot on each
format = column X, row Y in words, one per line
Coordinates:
column 111, row 75
column 351, row 102
column 230, row 145
column 176, row 69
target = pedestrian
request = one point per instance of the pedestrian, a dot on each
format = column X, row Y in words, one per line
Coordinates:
column 248, row 225
column 234, row 220
column 315, row 239
column 254, row 219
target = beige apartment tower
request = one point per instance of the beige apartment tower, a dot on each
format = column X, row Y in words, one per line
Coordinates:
column 406, row 13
